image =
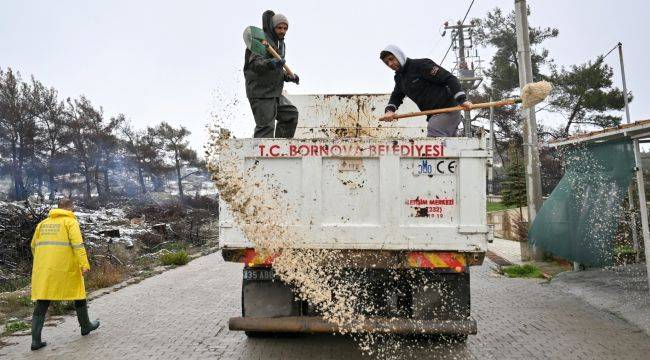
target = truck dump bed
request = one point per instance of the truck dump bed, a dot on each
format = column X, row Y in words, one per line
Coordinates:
column 388, row 188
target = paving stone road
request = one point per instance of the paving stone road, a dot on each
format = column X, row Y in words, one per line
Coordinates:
column 183, row 314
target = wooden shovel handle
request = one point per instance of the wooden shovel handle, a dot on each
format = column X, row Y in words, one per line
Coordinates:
column 457, row 108
column 277, row 56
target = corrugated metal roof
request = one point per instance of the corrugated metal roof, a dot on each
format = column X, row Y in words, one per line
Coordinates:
column 636, row 129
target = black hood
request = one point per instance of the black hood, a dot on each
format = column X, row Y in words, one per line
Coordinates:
column 267, row 26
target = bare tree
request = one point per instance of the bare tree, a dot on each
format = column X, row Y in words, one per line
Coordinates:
column 175, row 141
column 107, row 145
column 83, row 124
column 140, row 150
column 49, row 143
column 17, row 127
column 54, row 137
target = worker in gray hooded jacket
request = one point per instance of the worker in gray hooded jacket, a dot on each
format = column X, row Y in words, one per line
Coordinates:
column 265, row 77
column 429, row 86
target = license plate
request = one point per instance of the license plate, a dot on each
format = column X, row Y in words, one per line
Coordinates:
column 258, row 274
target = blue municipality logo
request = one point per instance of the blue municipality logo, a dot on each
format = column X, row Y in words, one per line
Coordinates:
column 436, row 167
column 425, row 167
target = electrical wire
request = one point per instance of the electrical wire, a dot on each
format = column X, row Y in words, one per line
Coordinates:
column 610, row 51
column 461, row 24
column 601, row 59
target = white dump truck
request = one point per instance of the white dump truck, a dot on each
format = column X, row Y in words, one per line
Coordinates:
column 381, row 189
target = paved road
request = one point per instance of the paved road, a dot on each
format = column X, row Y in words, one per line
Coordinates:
column 183, row 314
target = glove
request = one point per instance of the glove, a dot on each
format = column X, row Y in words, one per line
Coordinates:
column 277, row 63
column 295, row 79
column 273, row 64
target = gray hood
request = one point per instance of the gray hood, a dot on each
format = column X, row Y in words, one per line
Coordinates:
column 397, row 52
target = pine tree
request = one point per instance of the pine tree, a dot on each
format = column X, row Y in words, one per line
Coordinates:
column 514, row 187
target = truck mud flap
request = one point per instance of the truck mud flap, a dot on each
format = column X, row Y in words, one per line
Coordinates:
column 315, row 324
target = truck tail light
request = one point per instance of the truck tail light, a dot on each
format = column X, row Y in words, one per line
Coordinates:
column 437, row 260
column 475, row 258
column 254, row 258
column 250, row 257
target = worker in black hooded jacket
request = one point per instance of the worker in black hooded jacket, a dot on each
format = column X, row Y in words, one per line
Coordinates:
column 429, row 86
column 265, row 77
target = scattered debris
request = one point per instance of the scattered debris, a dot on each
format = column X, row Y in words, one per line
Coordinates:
column 319, row 277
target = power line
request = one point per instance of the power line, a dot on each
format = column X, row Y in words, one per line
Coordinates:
column 461, row 23
column 610, row 51
column 468, row 9
column 601, row 59
column 449, row 48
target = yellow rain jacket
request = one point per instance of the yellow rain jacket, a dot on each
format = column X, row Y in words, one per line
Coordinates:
column 59, row 256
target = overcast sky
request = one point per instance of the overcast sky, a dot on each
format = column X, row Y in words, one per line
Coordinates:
column 180, row 61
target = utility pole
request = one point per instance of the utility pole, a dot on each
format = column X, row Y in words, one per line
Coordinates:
column 645, row 227
column 531, row 153
column 467, row 122
column 468, row 77
column 627, row 107
column 632, row 210
column 491, row 147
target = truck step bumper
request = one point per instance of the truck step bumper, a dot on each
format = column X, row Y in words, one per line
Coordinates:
column 315, row 324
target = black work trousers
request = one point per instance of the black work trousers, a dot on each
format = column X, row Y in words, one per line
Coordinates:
column 267, row 111
column 41, row 306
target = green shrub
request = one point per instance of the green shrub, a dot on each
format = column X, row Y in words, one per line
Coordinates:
column 105, row 274
column 624, row 249
column 175, row 258
column 15, row 326
column 525, row 271
column 25, row 300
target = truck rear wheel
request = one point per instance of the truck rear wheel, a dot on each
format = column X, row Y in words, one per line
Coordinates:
column 264, row 296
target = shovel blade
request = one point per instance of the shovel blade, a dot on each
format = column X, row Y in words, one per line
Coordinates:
column 253, row 38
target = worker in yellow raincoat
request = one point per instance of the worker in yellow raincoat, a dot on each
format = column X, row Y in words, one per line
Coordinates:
column 59, row 263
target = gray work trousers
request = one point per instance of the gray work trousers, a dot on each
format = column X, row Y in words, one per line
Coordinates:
column 443, row 125
column 266, row 111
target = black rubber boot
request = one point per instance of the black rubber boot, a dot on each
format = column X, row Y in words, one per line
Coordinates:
column 82, row 315
column 37, row 328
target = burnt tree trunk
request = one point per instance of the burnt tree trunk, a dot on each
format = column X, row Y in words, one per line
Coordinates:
column 51, row 185
column 107, row 185
column 16, row 173
column 98, row 185
column 87, row 180
column 178, row 175
column 143, row 187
